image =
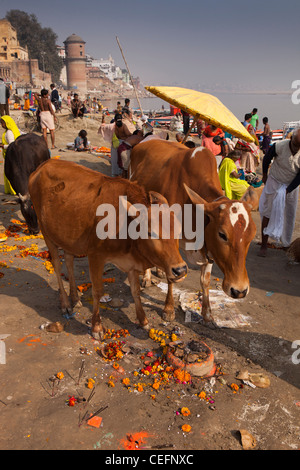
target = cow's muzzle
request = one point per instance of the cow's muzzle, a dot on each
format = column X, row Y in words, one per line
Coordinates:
column 237, row 294
column 179, row 273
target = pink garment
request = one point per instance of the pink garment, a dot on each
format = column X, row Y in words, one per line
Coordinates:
column 209, row 144
column 107, row 131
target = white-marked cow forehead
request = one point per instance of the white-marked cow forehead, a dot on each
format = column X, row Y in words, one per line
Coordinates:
column 238, row 209
column 197, row 149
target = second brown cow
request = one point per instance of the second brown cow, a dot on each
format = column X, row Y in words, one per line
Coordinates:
column 66, row 198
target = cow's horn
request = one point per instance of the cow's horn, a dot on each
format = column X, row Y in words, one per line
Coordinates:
column 23, row 198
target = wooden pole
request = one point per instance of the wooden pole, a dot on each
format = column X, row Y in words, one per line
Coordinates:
column 129, row 75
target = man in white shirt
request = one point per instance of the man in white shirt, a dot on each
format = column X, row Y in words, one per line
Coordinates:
column 279, row 199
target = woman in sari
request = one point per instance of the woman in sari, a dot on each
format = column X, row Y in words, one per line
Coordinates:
column 10, row 134
column 230, row 180
column 207, row 138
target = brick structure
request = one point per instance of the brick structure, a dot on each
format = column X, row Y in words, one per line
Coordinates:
column 76, row 63
column 15, row 65
column 10, row 49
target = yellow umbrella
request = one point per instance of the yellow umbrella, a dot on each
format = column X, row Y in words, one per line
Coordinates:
column 202, row 106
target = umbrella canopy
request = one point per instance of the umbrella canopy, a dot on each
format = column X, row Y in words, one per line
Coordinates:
column 202, row 105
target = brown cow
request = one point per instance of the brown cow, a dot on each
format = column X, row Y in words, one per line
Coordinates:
column 66, row 197
column 183, row 175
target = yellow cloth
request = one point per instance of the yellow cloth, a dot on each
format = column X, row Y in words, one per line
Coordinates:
column 234, row 187
column 115, row 141
column 12, row 126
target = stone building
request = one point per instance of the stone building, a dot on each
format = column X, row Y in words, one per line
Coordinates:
column 10, row 49
column 15, row 65
column 75, row 61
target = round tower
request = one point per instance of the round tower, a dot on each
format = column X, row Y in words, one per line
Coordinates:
column 76, row 63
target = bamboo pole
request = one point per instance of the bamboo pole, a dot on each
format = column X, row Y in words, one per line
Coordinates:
column 129, row 75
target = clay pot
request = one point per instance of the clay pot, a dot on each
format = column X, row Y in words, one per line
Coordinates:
column 204, row 368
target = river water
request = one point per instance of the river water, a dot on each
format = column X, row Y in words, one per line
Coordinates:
column 277, row 107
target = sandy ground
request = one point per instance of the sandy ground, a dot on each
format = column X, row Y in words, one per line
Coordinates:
column 36, row 415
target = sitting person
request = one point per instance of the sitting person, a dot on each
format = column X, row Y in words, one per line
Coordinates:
column 77, row 107
column 26, row 102
column 81, row 143
column 207, row 138
column 224, row 147
column 125, row 148
column 229, row 176
column 189, row 143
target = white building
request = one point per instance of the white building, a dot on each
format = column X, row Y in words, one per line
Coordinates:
column 108, row 67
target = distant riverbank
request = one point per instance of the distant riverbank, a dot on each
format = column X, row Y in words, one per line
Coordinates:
column 277, row 106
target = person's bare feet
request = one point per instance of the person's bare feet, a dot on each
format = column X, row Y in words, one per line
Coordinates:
column 262, row 252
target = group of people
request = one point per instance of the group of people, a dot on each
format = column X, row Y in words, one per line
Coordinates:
column 79, row 107
column 280, row 165
column 123, row 133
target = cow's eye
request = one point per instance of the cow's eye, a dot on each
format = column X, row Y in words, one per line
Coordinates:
column 223, row 236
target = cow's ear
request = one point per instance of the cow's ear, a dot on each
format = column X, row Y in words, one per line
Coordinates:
column 194, row 197
column 209, row 207
column 156, row 198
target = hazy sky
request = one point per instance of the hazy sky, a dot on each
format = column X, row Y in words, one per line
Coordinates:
column 230, row 44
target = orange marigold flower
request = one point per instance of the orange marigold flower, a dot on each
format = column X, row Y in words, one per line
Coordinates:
column 186, row 428
column 90, row 383
column 110, row 383
column 140, row 388
column 234, row 387
column 155, row 386
column 126, row 381
column 60, row 375
column 116, row 365
column 202, row 395
column 185, row 411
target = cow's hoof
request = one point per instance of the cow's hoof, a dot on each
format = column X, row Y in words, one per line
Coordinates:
column 98, row 335
column 67, row 310
column 168, row 315
column 78, row 304
column 145, row 327
column 146, row 282
column 211, row 324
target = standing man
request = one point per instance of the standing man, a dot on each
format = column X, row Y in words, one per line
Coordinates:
column 186, row 121
column 54, row 97
column 254, row 119
column 279, row 199
column 267, row 136
column 126, row 108
column 4, row 98
column 47, row 116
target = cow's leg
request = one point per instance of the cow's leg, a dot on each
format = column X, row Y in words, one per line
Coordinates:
column 96, row 266
column 55, row 260
column 133, row 278
column 69, row 259
column 169, row 312
column 205, row 274
column 160, row 273
column 146, row 281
